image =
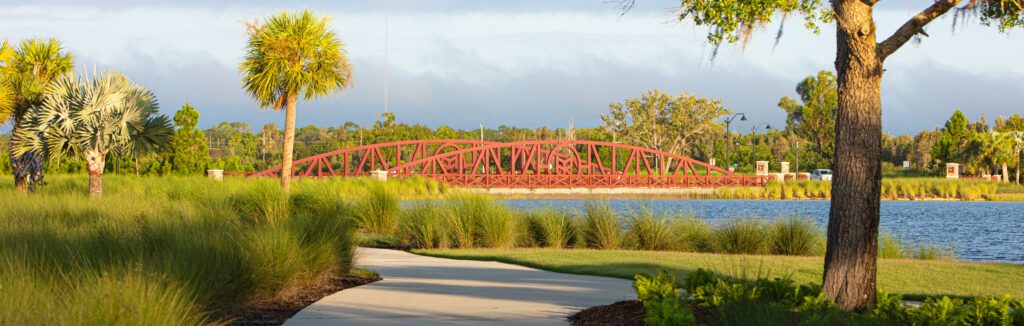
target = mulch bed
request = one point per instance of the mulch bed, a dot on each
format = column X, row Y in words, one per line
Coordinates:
column 277, row 310
column 629, row 313
column 624, row 313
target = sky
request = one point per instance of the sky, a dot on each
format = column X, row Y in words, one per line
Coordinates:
column 527, row 63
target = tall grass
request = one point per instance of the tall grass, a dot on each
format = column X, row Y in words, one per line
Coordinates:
column 741, row 236
column 692, row 234
column 423, row 225
column 602, row 227
column 164, row 251
column 794, row 237
column 646, row 231
column 377, row 213
column 552, row 228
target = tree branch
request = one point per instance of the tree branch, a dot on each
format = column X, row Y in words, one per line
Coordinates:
column 913, row 27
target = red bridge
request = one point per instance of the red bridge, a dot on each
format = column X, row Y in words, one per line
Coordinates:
column 527, row 164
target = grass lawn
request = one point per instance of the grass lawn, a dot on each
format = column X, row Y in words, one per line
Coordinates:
column 915, row 279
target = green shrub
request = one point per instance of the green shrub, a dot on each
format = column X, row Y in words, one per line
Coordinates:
column 602, row 227
column 661, row 301
column 552, row 228
column 423, row 225
column 794, row 237
column 740, row 236
column 647, row 231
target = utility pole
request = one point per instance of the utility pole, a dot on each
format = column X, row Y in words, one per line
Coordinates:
column 387, row 63
column 481, row 132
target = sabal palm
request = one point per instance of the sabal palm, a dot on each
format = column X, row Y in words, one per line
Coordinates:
column 107, row 114
column 26, row 74
column 6, row 94
column 291, row 54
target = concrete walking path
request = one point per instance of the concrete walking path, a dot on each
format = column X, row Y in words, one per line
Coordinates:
column 420, row 290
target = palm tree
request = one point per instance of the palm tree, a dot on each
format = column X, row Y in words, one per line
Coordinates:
column 289, row 54
column 27, row 72
column 105, row 115
column 6, row 93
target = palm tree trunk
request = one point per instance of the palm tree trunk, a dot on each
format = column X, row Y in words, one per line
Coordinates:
column 95, row 161
column 851, row 254
column 289, row 143
column 1006, row 174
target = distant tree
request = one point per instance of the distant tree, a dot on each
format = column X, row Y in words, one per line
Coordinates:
column 445, row 132
column 956, row 136
column 27, row 72
column 814, row 117
column 288, row 55
column 190, row 152
column 269, row 136
column 664, row 122
column 103, row 115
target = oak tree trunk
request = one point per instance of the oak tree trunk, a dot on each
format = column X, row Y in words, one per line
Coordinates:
column 289, row 143
column 850, row 259
column 95, row 162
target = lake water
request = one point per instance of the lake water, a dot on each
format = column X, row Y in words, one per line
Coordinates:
column 978, row 231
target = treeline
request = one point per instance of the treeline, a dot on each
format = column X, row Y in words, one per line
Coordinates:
column 684, row 124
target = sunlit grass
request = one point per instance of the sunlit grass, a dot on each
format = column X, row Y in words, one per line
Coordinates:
column 163, row 251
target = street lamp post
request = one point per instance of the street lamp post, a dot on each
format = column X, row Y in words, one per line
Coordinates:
column 753, row 151
column 728, row 134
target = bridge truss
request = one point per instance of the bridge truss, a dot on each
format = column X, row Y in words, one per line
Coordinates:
column 526, row 164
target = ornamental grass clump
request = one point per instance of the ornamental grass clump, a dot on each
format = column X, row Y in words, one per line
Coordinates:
column 889, row 246
column 692, row 234
column 423, row 225
column 602, row 227
column 145, row 255
column 648, row 231
column 794, row 237
column 740, row 236
column 377, row 212
column 500, row 227
column 552, row 228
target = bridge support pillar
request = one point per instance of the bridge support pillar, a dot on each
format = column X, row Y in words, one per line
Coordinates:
column 216, row 175
column 379, row 175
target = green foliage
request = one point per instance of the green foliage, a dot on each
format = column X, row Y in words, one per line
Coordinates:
column 377, row 213
column 781, row 301
column 189, row 149
column 647, row 231
column 661, row 300
column 602, row 227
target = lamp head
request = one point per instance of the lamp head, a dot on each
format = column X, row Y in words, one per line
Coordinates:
column 743, row 117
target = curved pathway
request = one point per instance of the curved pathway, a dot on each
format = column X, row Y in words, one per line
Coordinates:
column 420, row 290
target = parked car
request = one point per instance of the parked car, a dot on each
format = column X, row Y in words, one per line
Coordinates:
column 822, row 174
